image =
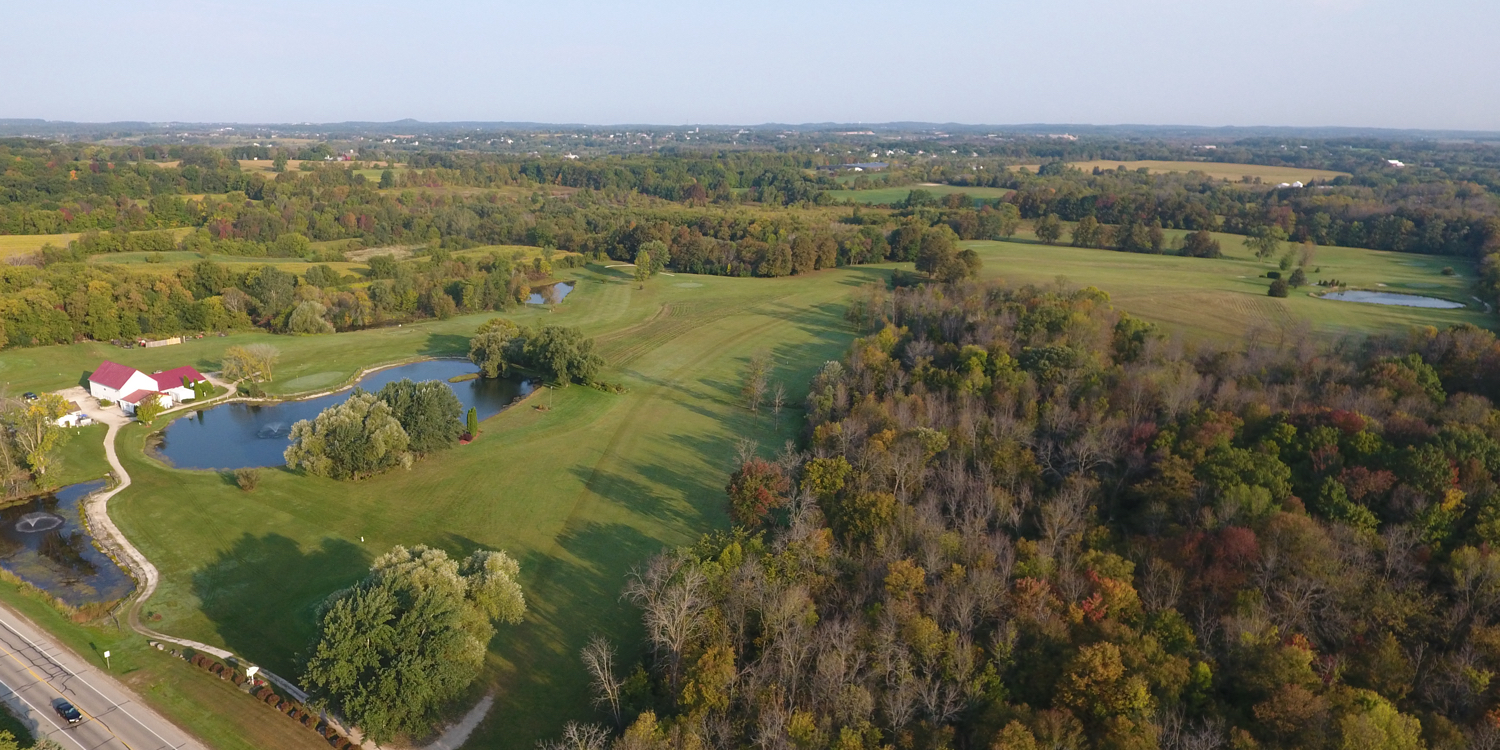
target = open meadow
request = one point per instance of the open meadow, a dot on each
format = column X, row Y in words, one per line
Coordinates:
column 893, row 195
column 12, row 245
column 1216, row 170
column 1224, row 298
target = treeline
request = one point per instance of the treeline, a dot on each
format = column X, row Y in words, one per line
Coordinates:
column 68, row 302
column 1436, row 217
column 1023, row 519
column 772, row 178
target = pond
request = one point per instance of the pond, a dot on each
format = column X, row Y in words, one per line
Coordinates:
column 235, row 436
column 1391, row 298
column 44, row 543
column 550, row 294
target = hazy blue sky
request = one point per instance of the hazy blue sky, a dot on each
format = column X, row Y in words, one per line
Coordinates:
column 1384, row 63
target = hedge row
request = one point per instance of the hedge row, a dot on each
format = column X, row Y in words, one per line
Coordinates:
column 304, row 716
column 296, row 711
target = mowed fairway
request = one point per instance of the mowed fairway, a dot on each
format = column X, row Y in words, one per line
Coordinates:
column 1226, row 298
column 889, row 196
column 579, row 493
column 1216, row 170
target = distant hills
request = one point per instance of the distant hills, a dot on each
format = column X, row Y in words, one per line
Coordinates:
column 104, row 130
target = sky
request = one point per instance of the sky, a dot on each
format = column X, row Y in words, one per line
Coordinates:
column 1360, row 63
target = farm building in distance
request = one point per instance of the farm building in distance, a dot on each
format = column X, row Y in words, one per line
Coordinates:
column 868, row 166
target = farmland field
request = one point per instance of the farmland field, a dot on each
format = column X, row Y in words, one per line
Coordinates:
column 23, row 244
column 1225, row 298
column 1216, row 170
column 888, row 196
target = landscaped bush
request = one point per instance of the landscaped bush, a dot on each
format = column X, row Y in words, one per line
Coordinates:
column 247, row 478
column 1278, row 288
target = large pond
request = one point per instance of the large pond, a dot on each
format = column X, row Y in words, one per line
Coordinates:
column 550, row 294
column 44, row 543
column 1391, row 298
column 234, row 436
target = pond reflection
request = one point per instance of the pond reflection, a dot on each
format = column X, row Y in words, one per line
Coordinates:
column 234, row 436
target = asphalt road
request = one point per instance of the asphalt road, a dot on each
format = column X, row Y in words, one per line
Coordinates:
column 36, row 672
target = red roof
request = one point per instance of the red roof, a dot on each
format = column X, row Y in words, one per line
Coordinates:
column 112, row 374
column 173, row 378
column 136, row 397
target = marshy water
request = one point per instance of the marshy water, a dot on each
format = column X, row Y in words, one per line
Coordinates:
column 236, row 436
column 1392, row 298
column 44, row 543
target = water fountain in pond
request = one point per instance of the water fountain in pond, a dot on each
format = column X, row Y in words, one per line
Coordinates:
column 32, row 523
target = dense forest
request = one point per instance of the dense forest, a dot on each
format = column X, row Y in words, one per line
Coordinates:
column 1023, row 519
column 65, row 302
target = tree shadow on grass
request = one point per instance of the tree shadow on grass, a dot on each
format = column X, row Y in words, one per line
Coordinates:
column 446, row 345
column 628, row 492
column 262, row 594
column 571, row 596
column 862, row 275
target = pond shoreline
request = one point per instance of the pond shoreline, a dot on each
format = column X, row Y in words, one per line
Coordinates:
column 255, row 431
column 1386, row 298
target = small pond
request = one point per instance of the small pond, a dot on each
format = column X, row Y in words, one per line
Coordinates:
column 1391, row 298
column 550, row 294
column 235, row 436
column 44, row 543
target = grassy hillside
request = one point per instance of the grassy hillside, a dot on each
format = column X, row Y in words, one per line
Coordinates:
column 578, row 494
column 1224, row 298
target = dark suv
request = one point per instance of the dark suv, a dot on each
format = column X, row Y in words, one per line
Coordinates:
column 68, row 713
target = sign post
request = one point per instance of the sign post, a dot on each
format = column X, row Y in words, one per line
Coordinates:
column 106, row 661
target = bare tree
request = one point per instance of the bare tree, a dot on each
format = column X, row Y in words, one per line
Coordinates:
column 577, row 736
column 757, row 377
column 599, row 658
column 778, row 398
column 672, row 601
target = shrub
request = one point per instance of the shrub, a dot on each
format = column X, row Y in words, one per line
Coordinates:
column 247, row 478
column 1273, row 274
column 1278, row 288
column 1448, row 271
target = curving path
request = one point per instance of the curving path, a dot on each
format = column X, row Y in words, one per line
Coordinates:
column 96, row 510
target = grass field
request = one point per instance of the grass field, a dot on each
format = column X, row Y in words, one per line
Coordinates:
column 1216, row 170
column 888, row 196
column 1224, row 298
column 584, row 491
column 578, row 494
column 24, row 244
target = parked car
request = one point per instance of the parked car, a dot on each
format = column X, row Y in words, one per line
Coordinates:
column 29, row 396
column 68, row 712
